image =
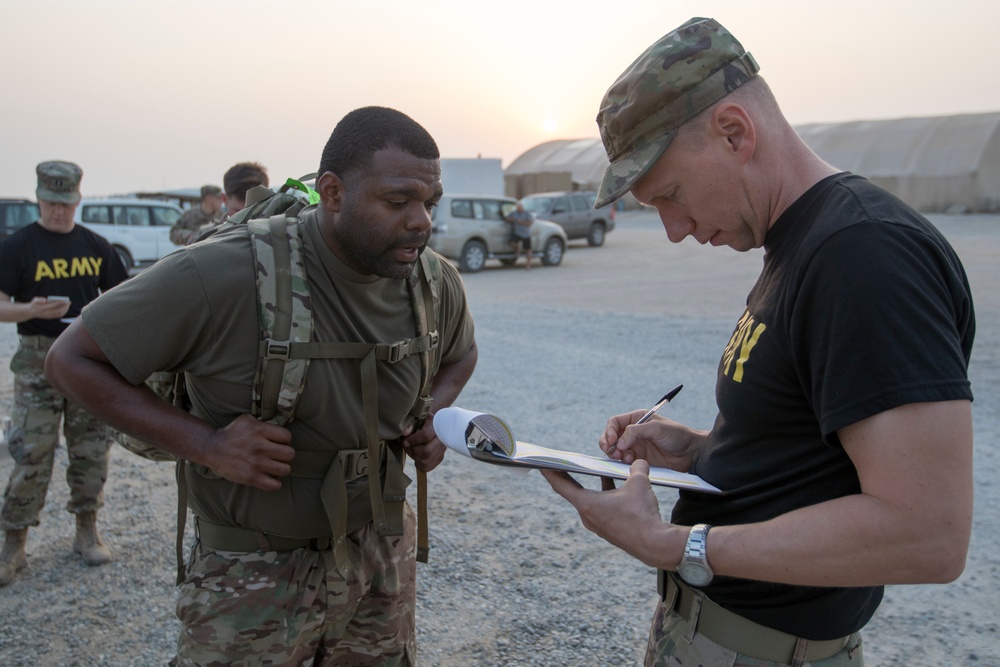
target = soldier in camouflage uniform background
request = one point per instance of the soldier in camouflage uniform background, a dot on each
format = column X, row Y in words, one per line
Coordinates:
column 236, row 182
column 46, row 260
column 204, row 213
column 290, row 566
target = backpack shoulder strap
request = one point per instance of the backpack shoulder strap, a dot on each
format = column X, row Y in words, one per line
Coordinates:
column 425, row 289
column 425, row 292
column 284, row 313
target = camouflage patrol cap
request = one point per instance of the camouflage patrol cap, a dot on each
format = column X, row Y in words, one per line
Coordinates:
column 210, row 191
column 58, row 182
column 682, row 74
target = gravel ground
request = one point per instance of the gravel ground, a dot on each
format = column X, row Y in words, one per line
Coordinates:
column 513, row 578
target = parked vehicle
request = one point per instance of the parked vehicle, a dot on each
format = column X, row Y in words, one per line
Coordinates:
column 575, row 212
column 16, row 213
column 139, row 229
column 472, row 229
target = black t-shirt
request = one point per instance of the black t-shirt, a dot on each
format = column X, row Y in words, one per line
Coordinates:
column 862, row 306
column 37, row 262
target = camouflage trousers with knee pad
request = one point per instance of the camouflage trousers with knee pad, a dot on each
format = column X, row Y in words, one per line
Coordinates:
column 34, row 436
column 295, row 608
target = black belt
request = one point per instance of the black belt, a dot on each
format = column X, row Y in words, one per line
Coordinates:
column 740, row 634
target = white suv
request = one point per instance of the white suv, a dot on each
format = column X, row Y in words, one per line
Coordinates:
column 139, row 229
column 472, row 228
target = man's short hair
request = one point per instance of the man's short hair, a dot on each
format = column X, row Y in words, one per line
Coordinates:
column 210, row 191
column 243, row 176
column 363, row 132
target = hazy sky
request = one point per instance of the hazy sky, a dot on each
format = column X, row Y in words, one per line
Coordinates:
column 148, row 94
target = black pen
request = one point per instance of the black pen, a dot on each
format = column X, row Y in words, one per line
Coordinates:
column 652, row 411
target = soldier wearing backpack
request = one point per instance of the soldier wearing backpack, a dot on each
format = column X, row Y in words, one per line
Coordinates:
column 304, row 554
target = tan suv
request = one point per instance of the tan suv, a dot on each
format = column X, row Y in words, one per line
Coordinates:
column 472, row 229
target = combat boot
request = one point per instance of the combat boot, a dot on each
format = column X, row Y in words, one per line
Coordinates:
column 12, row 558
column 88, row 542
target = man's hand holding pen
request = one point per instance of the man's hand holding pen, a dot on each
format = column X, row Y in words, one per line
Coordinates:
column 649, row 413
column 660, row 442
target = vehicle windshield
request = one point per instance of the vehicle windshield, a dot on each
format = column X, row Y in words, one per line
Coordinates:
column 537, row 204
column 18, row 214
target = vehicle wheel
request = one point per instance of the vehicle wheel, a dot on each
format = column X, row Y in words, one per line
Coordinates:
column 596, row 235
column 126, row 257
column 473, row 257
column 509, row 261
column 553, row 252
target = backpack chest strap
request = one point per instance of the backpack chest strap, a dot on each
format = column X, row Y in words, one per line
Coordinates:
column 285, row 350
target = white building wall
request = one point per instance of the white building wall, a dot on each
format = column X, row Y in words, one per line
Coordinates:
column 481, row 176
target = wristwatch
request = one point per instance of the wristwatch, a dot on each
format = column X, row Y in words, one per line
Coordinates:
column 694, row 567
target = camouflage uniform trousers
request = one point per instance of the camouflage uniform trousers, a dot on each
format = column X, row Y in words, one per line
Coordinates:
column 672, row 643
column 34, row 436
column 294, row 607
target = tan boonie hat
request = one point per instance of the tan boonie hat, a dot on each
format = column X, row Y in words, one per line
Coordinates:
column 682, row 74
column 58, row 182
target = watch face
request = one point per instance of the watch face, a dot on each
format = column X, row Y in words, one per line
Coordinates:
column 694, row 573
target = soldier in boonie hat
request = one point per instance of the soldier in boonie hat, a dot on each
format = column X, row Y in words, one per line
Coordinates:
column 682, row 74
column 58, row 182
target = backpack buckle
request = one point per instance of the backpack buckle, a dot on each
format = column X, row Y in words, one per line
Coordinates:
column 277, row 349
column 398, row 350
column 421, row 410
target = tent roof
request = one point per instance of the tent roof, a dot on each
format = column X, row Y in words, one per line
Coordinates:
column 934, row 146
column 904, row 151
column 585, row 159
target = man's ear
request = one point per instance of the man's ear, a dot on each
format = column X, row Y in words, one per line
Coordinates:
column 732, row 122
column 331, row 191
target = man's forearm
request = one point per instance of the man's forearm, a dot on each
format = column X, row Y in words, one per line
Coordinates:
column 910, row 524
column 85, row 377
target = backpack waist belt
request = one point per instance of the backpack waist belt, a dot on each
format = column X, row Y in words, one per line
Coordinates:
column 737, row 633
column 336, row 469
column 233, row 538
column 314, row 465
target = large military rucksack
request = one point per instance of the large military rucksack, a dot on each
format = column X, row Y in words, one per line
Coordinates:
column 286, row 347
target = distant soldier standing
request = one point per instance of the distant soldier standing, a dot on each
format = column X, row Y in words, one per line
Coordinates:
column 204, row 213
column 49, row 271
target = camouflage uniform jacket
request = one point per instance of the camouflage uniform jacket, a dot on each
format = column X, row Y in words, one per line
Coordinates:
column 188, row 223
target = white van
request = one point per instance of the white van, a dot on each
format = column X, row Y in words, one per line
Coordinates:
column 139, row 229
